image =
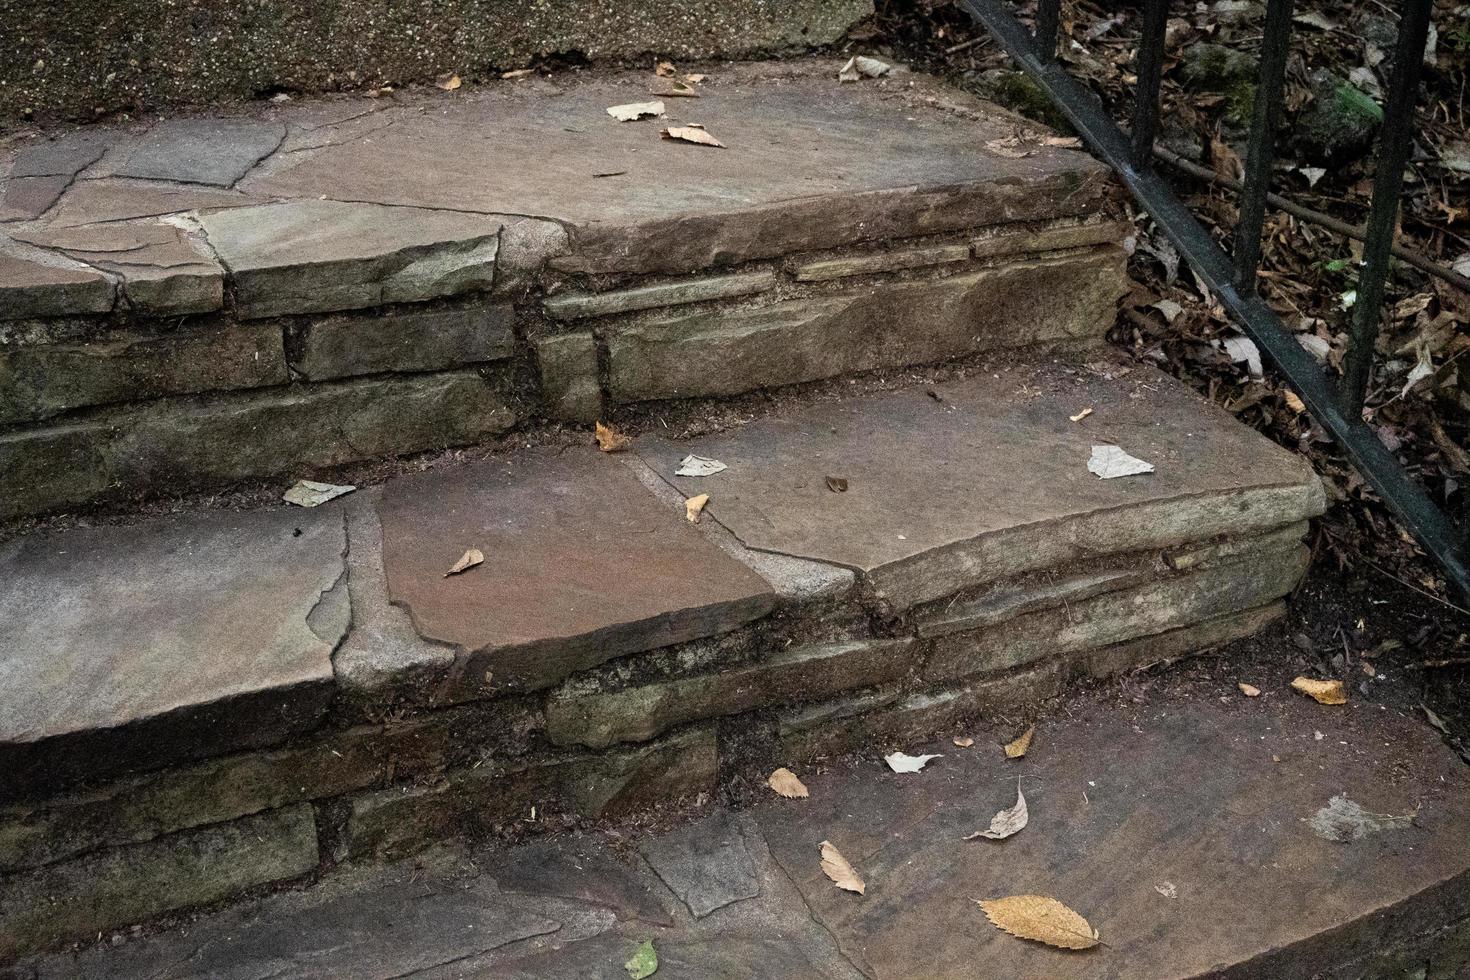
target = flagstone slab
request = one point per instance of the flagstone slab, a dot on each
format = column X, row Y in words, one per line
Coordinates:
column 987, row 477
column 34, row 282
column 582, row 564
column 200, row 151
column 139, row 646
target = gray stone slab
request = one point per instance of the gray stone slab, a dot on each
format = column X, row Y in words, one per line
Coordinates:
column 316, row 256
column 200, row 151
column 810, row 165
column 44, row 380
column 1003, row 241
column 884, row 326
column 990, row 480
column 27, row 198
column 66, row 155
column 579, row 305
column 581, row 565
column 565, row 869
column 706, row 864
column 35, row 282
column 231, row 437
column 404, row 340
column 569, row 376
column 145, row 645
column 120, row 887
column 638, row 713
column 164, row 271
column 110, row 199
column 889, row 260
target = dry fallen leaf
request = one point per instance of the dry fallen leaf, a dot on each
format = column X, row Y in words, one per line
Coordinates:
column 1007, row 822
column 1323, row 692
column 784, row 781
column 903, row 762
column 862, row 66
column 1068, row 142
column 672, row 88
column 835, row 867
column 448, row 82
column 635, row 110
column 1111, row 462
column 1040, row 919
column 1016, row 749
column 517, row 73
column 1081, row 415
column 1009, row 147
column 466, row 561
column 663, row 68
column 693, row 133
column 1293, row 401
column 693, row 506
column 694, row 79
column 837, row 484
column 964, row 741
column 309, row 493
column 610, row 440
column 1249, row 690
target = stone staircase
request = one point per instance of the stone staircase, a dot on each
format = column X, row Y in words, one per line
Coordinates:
column 225, row 697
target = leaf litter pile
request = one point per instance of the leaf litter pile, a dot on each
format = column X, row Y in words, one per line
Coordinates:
column 1338, row 72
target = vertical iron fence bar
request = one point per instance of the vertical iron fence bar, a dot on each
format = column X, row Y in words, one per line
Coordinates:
column 1394, row 144
column 1265, row 116
column 1048, row 20
column 1150, row 74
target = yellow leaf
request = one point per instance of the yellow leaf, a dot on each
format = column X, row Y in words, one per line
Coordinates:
column 694, row 79
column 1323, row 692
column 1018, row 748
column 1249, row 690
column 467, row 561
column 693, row 133
column 1081, row 415
column 693, row 506
column 448, row 82
column 835, row 866
column 964, row 742
column 610, row 440
column 784, row 781
column 663, row 69
column 635, row 110
column 1040, row 919
column 1293, row 402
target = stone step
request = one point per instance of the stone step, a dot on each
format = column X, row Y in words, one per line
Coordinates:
column 877, row 563
column 1202, row 834
column 203, row 301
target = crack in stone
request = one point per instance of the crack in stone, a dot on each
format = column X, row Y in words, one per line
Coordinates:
column 812, row 914
column 281, row 141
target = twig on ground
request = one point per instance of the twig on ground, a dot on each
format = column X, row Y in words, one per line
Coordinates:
column 1410, row 256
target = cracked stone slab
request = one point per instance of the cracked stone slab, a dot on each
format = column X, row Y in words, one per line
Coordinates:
column 563, row 869
column 318, row 256
column 102, row 200
column 35, row 282
column 200, row 151
column 989, row 479
column 144, row 645
column 582, row 565
column 706, row 865
column 164, row 271
column 1191, row 851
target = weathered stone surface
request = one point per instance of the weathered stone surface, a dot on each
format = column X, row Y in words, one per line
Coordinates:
column 479, row 800
column 60, row 156
column 1183, row 642
column 200, row 151
column 214, row 648
column 599, row 719
column 233, row 437
column 572, row 870
column 1003, row 241
column 317, row 256
column 891, row 325
column 1117, row 616
column 889, row 260
column 163, row 270
column 706, row 864
column 578, row 305
column 120, row 887
column 991, row 481
column 1236, row 549
column 109, row 199
column 34, row 282
column 678, row 208
column 583, row 566
column 404, row 340
column 38, row 382
column 1166, row 786
column 27, row 198
column 568, row 364
column 56, row 62
column 1010, row 601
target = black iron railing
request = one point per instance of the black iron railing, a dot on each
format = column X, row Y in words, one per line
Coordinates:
column 1336, row 403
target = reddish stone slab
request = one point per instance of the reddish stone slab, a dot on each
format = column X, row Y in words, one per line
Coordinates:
column 582, row 564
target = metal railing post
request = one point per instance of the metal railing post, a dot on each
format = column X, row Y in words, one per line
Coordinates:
column 1265, row 117
column 1150, row 75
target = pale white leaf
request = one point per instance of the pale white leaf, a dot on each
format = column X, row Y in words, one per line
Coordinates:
column 692, row 465
column 635, row 110
column 309, row 493
column 1007, row 822
column 1111, row 462
column 903, row 762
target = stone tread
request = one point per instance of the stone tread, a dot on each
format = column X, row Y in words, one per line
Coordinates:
column 243, row 628
column 1181, row 828
column 319, row 206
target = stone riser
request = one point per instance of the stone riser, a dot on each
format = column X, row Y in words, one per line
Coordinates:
column 133, row 849
column 129, row 411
